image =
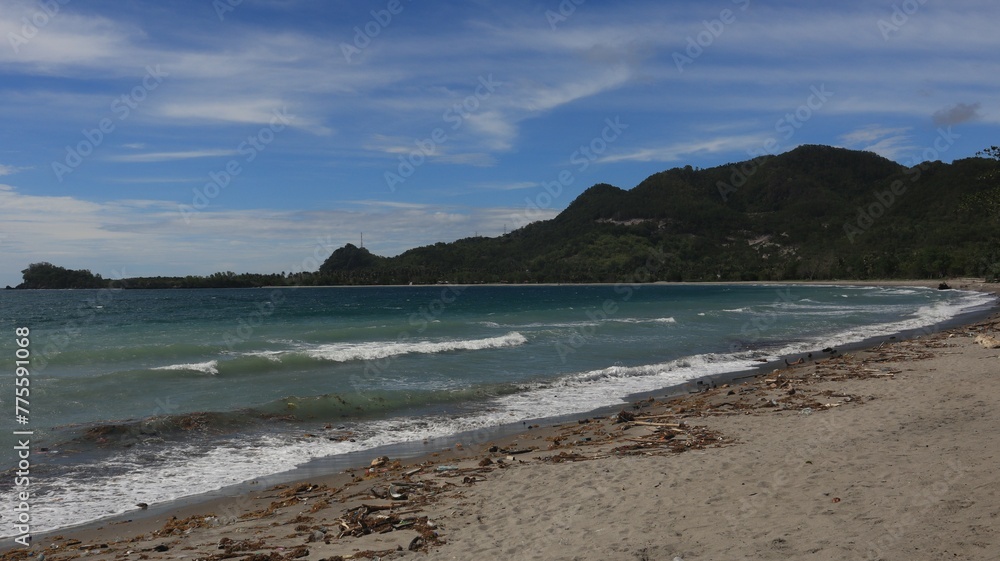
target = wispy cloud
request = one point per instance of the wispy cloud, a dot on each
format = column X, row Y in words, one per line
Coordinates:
column 170, row 156
column 155, row 180
column 505, row 186
column 893, row 147
column 679, row 150
column 424, row 148
column 871, row 133
column 9, row 170
column 888, row 142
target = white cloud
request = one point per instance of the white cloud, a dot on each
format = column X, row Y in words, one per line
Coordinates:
column 505, row 186
column 428, row 149
column 478, row 159
column 679, row 150
column 9, row 170
column 61, row 41
column 889, row 142
column 170, row 156
column 892, row 147
column 872, row 133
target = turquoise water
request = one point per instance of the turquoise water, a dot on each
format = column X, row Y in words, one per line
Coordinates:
column 148, row 396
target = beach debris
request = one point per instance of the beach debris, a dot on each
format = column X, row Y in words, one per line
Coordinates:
column 516, row 451
column 380, row 461
column 416, row 543
column 377, row 519
column 317, row 536
column 987, row 341
column 624, row 416
column 397, row 494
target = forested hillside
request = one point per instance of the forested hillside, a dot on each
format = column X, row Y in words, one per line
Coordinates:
column 815, row 212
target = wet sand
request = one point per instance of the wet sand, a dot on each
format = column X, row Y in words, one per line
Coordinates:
column 885, row 453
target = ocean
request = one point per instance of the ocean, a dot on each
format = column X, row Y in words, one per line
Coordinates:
column 150, row 396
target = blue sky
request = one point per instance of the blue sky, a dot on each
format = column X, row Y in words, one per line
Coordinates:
column 187, row 137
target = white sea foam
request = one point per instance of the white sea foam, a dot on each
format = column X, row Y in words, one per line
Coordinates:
column 273, row 356
column 644, row 320
column 345, row 352
column 210, row 367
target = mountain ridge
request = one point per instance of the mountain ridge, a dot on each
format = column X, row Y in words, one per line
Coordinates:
column 814, row 212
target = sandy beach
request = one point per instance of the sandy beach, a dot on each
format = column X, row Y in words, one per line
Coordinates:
column 884, row 453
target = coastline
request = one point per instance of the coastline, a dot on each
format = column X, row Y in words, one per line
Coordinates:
column 459, row 486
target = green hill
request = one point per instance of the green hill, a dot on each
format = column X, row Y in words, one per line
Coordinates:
column 815, row 212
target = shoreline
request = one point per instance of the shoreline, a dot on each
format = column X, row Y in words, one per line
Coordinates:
column 126, row 526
